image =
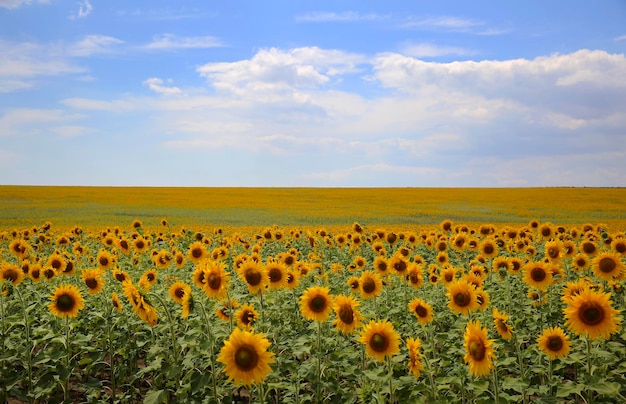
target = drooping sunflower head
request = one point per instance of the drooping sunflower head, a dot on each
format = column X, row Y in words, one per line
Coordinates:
column 479, row 352
column 500, row 321
column 554, row 342
column 348, row 318
column 246, row 357
column 115, row 301
column 380, row 339
column 415, row 275
column 316, row 303
column 178, row 290
column 66, row 301
column 591, row 313
column 415, row 357
column 11, row 273
column 422, row 310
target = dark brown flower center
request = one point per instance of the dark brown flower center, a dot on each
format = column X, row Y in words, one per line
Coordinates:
column 56, row 264
column 477, row 349
column 369, row 286
column 591, row 313
column 488, row 249
column 318, row 304
column 215, row 281
column 607, row 265
column 92, row 283
column 421, row 311
column 378, row 342
column 620, row 247
column 538, row 274
column 400, row 265
column 346, row 314
column 589, row 247
column 104, row 261
column 555, row 343
column 462, row 299
column 120, row 277
column 253, row 277
column 246, row 358
column 65, row 302
column 196, row 252
column 10, row 275
column 275, row 274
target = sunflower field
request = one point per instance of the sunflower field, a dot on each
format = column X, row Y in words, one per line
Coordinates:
column 357, row 314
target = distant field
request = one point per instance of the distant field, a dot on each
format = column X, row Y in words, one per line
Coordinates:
column 257, row 207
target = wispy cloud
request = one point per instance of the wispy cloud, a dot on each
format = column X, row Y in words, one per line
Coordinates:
column 620, row 38
column 330, row 16
column 94, row 44
column 155, row 84
column 30, row 59
column 443, row 23
column 421, row 50
column 164, row 14
column 12, row 4
column 84, row 9
column 170, row 41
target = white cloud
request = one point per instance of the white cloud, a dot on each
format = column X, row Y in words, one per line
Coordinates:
column 358, row 173
column 155, row 84
column 94, row 44
column 12, row 4
column 620, row 38
column 421, row 50
column 84, row 9
column 443, row 23
column 31, row 121
column 331, row 16
column 87, row 104
column 29, row 59
column 68, row 131
column 170, row 41
column 9, row 86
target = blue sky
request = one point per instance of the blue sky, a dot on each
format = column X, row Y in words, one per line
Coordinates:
column 313, row 93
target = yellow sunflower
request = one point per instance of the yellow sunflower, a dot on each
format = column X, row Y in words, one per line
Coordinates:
column 19, row 248
column 415, row 357
column 589, row 247
column 11, row 273
column 488, row 248
column 399, row 264
column 483, row 298
column 246, row 358
column 104, row 259
column 590, row 313
column 246, row 316
column 619, row 246
column 215, row 278
column 117, row 304
column 93, row 280
column 448, row 275
column 348, row 318
column 226, row 310
column 291, row 279
column 178, row 291
column 537, row 275
column 422, row 310
column 354, row 283
column 380, row 339
column 197, row 252
column 500, row 320
column 415, row 275
column 66, row 301
column 553, row 250
column 607, row 266
column 316, row 303
column 148, row 279
column 35, row 273
column 57, row 262
column 277, row 274
column 140, row 244
column 462, row 297
column 370, row 284
column 478, row 349
column 554, row 342
column 254, row 275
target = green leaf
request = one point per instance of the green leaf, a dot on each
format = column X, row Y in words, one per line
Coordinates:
column 568, row 388
column 606, row 388
column 511, row 383
column 155, row 397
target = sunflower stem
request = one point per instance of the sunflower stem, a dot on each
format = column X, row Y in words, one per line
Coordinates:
column 521, row 366
column 28, row 346
column 175, row 353
column 111, row 352
column 66, row 382
column 211, row 349
column 496, row 390
column 590, row 398
column 390, row 371
column 319, row 363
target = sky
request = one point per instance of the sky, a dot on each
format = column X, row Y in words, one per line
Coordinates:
column 313, row 93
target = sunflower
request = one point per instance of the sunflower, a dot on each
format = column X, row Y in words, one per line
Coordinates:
column 415, row 275
column 49, row 273
column 104, row 259
column 483, row 299
column 380, row 339
column 575, row 288
column 546, row 230
column 291, row 279
column 148, row 279
column 316, row 303
column 399, row 264
column 246, row 316
column 120, row 276
column 187, row 305
column 415, row 357
column 462, row 297
column 57, row 262
column 215, row 278
column 537, row 275
column 246, row 358
column 422, row 310
column 607, row 266
column 18, row 248
column 11, row 273
column 254, row 275
column 140, row 244
column 500, row 322
column 178, row 291
column 93, row 280
column 276, row 272
column 516, row 265
column 488, row 248
column 448, row 275
column 197, row 252
column 553, row 250
column 619, row 246
column 554, row 342
column 117, row 304
column 590, row 313
column 354, row 283
column 226, row 310
column 35, row 273
column 589, row 247
column 370, row 284
column 478, row 349
column 66, row 301
column 348, row 318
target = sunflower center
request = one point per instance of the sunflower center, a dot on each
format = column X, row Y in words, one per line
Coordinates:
column 56, row 264
column 620, row 247
column 462, row 299
column 150, row 277
column 65, row 302
column 414, row 278
column 214, row 281
column 555, row 343
column 253, row 277
column 538, row 274
column 354, row 284
column 275, row 274
column 448, row 276
column 120, row 277
column 382, row 266
column 179, row 293
column 104, row 261
column 49, row 273
column 400, row 266
column 607, row 265
column 421, row 311
column 378, row 342
column 477, row 349
column 369, row 285
column 553, row 253
column 317, row 304
column 591, row 313
column 502, row 326
column 196, row 252
column 488, row 249
column 589, row 248
column 247, row 318
column 246, row 358
column 346, row 314
column 581, row 262
column 91, row 283
column 10, row 275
